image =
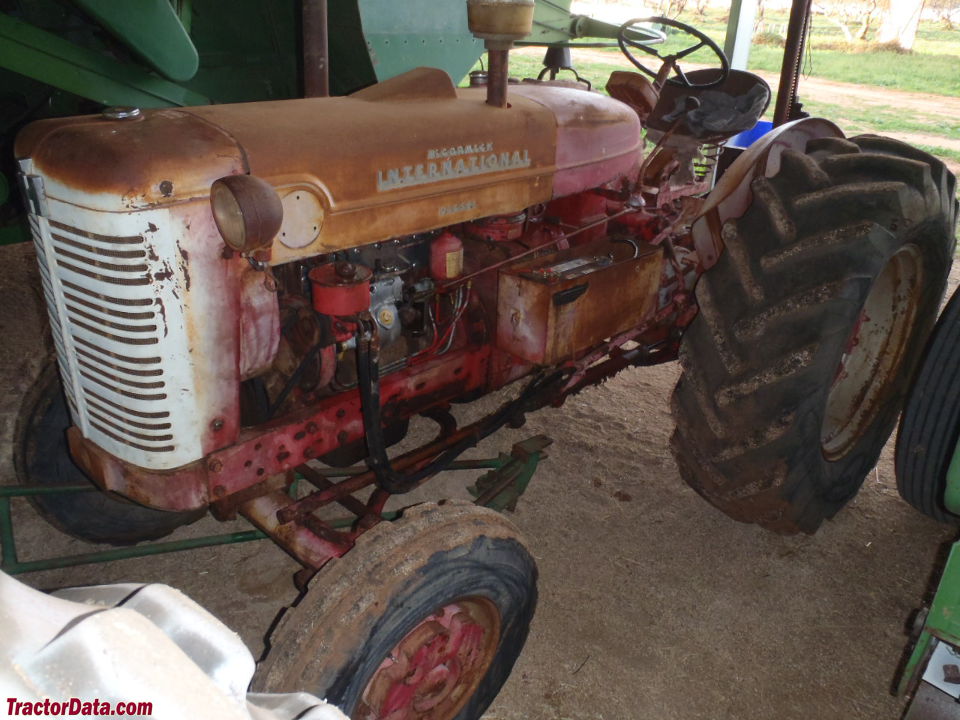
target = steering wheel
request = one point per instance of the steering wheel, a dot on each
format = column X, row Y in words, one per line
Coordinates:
column 626, row 39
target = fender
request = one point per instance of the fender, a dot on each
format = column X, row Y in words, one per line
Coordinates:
column 731, row 197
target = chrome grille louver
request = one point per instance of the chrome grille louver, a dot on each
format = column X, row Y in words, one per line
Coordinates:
column 110, row 281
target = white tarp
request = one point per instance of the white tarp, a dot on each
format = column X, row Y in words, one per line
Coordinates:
column 82, row 648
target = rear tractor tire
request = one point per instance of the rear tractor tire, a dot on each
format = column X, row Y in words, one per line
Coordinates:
column 810, row 327
column 42, row 457
column 422, row 620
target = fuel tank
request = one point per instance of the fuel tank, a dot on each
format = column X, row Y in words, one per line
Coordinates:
column 404, row 156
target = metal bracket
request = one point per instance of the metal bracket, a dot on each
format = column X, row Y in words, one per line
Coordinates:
column 500, row 489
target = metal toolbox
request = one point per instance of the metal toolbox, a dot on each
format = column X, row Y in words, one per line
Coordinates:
column 551, row 308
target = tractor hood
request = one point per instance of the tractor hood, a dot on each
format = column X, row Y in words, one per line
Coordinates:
column 405, row 156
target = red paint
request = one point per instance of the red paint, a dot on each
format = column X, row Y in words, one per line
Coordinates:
column 337, row 420
column 579, row 210
column 501, row 228
column 641, row 224
column 341, row 288
column 598, row 138
column 259, row 323
column 422, row 672
column 446, row 257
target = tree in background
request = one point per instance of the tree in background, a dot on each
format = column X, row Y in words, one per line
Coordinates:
column 671, row 8
column 900, row 21
column 946, row 11
column 849, row 15
column 897, row 20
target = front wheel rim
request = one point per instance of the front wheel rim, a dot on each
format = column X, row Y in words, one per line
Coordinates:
column 437, row 666
column 873, row 354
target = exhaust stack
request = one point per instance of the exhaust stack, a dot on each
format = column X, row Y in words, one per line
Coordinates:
column 499, row 23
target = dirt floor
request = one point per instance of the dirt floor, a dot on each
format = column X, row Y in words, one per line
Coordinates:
column 652, row 603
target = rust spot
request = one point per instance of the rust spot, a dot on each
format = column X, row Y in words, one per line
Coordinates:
column 151, row 227
column 260, row 471
column 219, row 491
column 312, row 428
column 342, row 437
column 622, row 496
column 215, row 465
column 166, row 188
column 300, row 435
column 247, row 463
column 309, row 453
column 341, row 412
column 163, row 316
column 184, row 266
column 217, row 424
column 282, row 456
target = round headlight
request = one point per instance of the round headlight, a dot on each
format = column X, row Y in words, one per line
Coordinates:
column 247, row 210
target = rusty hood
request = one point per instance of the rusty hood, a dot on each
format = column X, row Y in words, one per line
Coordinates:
column 405, row 156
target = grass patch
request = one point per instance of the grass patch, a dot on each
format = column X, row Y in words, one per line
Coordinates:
column 930, row 68
column 853, row 118
column 915, row 72
column 943, row 154
column 882, row 119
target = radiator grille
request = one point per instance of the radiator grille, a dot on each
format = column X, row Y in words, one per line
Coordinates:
column 108, row 329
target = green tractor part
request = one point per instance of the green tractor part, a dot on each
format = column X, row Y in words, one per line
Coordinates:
column 555, row 26
column 931, row 675
column 951, row 497
column 154, row 30
column 85, row 72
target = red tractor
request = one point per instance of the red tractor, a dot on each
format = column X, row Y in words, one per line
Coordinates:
column 236, row 291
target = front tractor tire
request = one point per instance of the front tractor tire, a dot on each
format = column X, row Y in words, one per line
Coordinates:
column 42, row 458
column 810, row 326
column 422, row 620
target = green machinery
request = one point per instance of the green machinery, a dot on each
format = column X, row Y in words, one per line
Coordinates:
column 67, row 57
column 931, row 675
column 928, row 477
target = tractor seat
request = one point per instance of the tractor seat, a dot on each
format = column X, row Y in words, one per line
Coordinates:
column 714, row 113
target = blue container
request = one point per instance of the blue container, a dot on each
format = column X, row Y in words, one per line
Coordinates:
column 749, row 137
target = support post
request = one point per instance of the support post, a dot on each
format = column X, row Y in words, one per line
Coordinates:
column 787, row 108
column 736, row 46
column 316, row 52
